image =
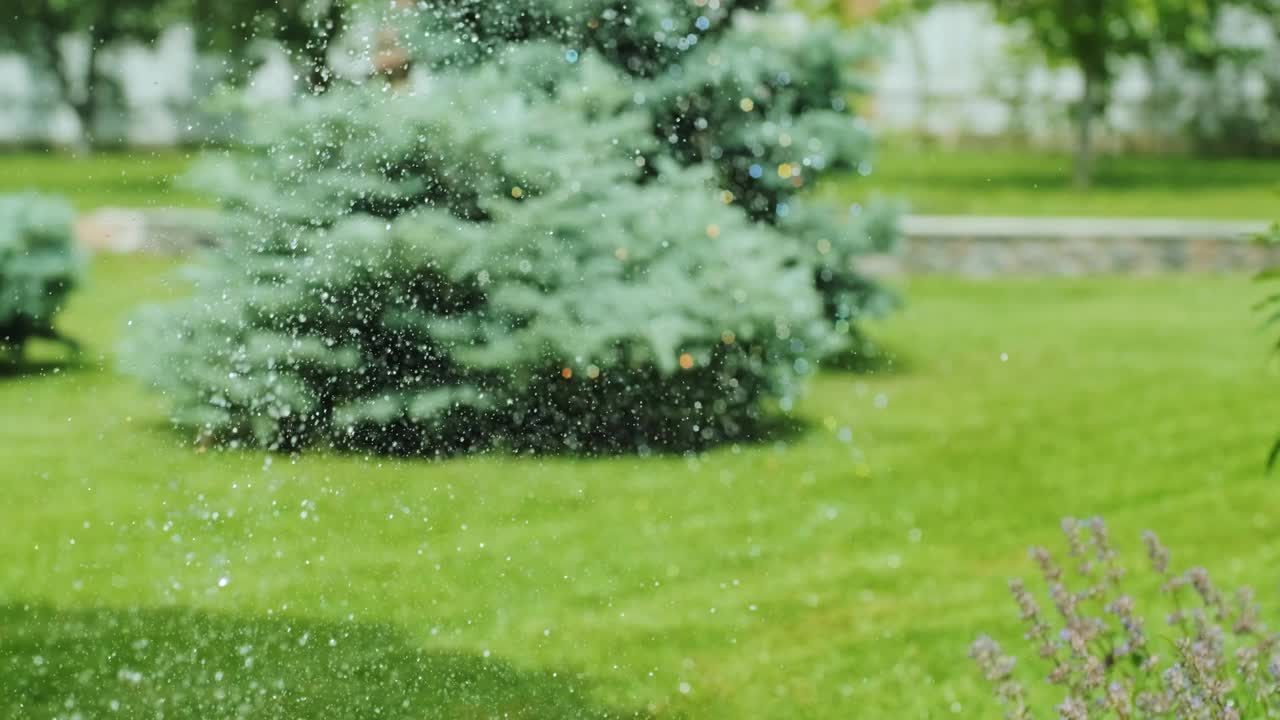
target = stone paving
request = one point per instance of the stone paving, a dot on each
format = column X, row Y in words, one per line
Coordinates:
column 161, row 231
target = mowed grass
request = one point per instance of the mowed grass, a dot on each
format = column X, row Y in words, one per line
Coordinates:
column 136, row 179
column 838, row 574
column 948, row 181
column 934, row 180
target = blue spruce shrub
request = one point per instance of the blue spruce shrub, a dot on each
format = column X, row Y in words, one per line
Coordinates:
column 762, row 98
column 40, row 264
column 470, row 264
column 642, row 37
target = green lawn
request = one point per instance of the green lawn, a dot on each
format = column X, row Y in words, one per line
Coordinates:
column 142, row 179
column 1011, row 182
column 838, row 574
column 997, row 182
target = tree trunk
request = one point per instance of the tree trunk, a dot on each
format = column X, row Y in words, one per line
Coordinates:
column 319, row 77
column 316, row 52
column 85, row 106
column 56, row 64
column 1083, row 172
column 87, row 109
column 920, row 64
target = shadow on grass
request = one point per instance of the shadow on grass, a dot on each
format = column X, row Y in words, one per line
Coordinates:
column 10, row 368
column 775, row 427
column 41, row 357
column 867, row 360
column 188, row 665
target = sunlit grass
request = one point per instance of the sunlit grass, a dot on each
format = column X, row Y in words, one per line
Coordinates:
column 820, row 578
column 938, row 181
column 137, row 179
column 1014, row 182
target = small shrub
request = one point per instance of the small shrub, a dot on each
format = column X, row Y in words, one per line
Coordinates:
column 39, row 264
column 1210, row 658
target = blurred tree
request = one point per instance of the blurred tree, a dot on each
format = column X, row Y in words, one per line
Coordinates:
column 305, row 29
column 1095, row 35
column 1237, row 108
column 37, row 28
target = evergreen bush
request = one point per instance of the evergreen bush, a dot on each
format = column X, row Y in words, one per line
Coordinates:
column 506, row 251
column 40, row 264
column 762, row 97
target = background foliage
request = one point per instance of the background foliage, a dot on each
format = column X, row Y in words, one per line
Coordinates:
column 37, row 29
column 1095, row 36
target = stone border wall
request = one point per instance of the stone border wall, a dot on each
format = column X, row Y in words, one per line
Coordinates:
column 931, row 244
column 994, row 246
